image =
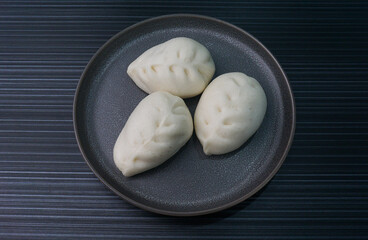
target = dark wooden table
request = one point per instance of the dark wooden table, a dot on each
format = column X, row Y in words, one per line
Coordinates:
column 48, row 192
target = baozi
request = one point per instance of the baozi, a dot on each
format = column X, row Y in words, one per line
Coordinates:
column 180, row 66
column 229, row 112
column 157, row 128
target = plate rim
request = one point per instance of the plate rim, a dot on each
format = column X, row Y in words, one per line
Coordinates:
column 198, row 212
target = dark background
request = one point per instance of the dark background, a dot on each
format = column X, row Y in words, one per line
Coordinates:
column 48, row 192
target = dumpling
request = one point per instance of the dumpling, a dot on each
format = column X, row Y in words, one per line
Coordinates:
column 157, row 128
column 230, row 111
column 180, row 66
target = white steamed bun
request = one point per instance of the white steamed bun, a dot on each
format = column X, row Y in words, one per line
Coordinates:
column 229, row 112
column 157, row 128
column 180, row 66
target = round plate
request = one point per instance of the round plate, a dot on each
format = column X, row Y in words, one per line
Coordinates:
column 189, row 183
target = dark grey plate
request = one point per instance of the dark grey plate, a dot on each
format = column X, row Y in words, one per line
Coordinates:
column 190, row 183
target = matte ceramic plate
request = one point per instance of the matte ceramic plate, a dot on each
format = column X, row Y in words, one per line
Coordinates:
column 190, row 183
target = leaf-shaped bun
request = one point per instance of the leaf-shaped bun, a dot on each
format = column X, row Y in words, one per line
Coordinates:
column 230, row 111
column 157, row 128
column 180, row 66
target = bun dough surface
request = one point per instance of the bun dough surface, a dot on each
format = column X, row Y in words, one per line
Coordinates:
column 157, row 128
column 180, row 66
column 230, row 111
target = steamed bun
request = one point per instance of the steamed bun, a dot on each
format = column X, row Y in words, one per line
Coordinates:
column 180, row 66
column 229, row 112
column 157, row 128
